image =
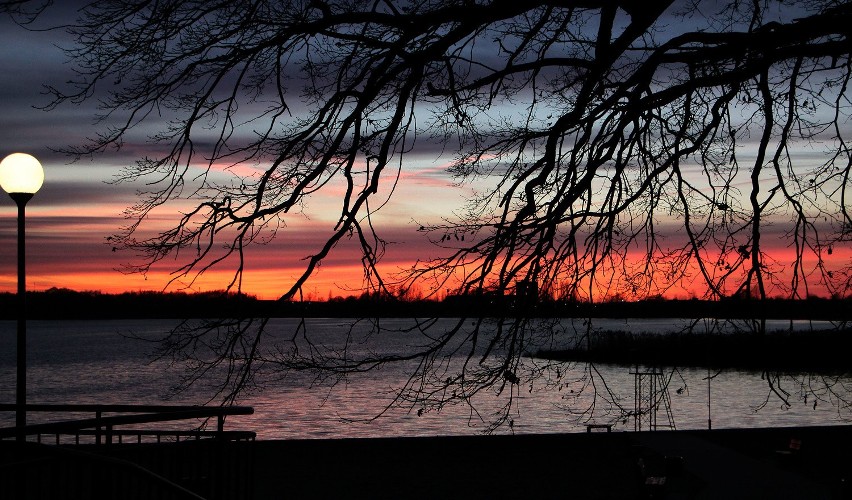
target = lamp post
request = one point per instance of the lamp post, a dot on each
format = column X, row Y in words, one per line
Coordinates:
column 21, row 175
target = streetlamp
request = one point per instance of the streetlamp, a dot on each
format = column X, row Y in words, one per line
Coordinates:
column 21, row 176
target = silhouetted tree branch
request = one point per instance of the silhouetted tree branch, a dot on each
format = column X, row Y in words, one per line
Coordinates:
column 24, row 11
column 626, row 148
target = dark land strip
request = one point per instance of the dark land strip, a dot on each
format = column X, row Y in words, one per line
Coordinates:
column 69, row 304
column 795, row 462
column 825, row 352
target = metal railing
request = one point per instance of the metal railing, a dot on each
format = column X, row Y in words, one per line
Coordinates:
column 106, row 418
column 112, row 451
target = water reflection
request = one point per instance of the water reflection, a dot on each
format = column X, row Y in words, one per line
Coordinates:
column 94, row 362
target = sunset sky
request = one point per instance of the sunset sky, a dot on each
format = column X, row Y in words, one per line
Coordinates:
column 69, row 220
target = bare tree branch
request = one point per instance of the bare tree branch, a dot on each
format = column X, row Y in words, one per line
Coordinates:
column 626, row 148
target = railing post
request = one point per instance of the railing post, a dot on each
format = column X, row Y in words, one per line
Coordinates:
column 98, row 428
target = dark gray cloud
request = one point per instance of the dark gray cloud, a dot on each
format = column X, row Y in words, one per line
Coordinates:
column 81, row 193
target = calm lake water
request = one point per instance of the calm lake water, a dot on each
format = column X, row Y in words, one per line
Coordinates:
column 97, row 362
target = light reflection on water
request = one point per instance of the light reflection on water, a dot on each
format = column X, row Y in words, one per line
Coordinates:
column 95, row 362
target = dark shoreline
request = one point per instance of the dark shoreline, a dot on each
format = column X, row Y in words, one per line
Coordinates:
column 825, row 352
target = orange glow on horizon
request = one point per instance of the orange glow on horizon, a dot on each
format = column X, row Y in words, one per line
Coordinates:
column 267, row 284
column 341, row 275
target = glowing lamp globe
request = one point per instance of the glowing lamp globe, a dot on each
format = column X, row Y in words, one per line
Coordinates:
column 21, row 173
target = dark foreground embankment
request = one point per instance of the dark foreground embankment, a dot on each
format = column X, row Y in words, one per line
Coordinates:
column 808, row 462
column 743, row 463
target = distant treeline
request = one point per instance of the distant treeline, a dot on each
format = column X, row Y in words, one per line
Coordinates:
column 69, row 304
